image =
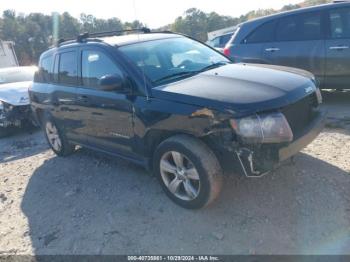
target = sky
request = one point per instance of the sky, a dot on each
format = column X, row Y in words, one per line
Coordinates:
column 154, row 13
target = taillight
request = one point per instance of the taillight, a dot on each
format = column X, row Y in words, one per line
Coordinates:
column 227, row 51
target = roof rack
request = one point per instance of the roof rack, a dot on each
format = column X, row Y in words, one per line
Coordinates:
column 86, row 35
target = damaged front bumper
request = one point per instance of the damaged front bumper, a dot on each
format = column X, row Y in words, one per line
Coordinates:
column 14, row 116
column 259, row 160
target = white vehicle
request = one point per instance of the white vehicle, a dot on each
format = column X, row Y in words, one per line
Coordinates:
column 219, row 38
column 8, row 56
column 14, row 98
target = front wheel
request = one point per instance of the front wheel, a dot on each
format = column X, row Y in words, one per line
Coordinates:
column 188, row 171
column 56, row 139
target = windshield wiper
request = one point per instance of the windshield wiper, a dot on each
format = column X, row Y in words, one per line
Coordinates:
column 176, row 75
column 212, row 66
column 191, row 73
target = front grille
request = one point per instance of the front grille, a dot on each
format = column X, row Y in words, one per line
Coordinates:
column 300, row 114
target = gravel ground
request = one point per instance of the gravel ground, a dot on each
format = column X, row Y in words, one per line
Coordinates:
column 92, row 204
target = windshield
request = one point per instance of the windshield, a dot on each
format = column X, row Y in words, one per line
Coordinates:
column 172, row 59
column 17, row 74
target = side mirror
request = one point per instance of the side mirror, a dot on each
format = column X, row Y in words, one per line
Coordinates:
column 111, row 83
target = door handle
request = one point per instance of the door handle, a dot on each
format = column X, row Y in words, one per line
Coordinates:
column 272, row 49
column 339, row 47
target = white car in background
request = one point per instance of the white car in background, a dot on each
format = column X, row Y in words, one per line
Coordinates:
column 14, row 98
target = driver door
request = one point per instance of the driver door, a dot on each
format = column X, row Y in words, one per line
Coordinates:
column 106, row 116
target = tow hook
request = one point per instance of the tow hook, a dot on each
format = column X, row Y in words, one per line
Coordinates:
column 245, row 157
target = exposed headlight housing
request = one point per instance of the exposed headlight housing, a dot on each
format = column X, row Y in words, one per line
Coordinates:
column 264, row 128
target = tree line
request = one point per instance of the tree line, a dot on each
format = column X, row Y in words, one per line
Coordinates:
column 36, row 32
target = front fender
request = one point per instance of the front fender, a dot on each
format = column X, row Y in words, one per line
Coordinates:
column 155, row 120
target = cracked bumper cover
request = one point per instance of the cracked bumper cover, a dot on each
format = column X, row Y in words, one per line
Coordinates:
column 15, row 116
column 313, row 130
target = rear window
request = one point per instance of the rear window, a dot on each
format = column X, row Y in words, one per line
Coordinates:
column 299, row 28
column 68, row 68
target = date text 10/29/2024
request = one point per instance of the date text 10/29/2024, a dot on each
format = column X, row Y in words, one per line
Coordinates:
column 173, row 258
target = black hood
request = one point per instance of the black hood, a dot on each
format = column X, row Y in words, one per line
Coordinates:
column 239, row 87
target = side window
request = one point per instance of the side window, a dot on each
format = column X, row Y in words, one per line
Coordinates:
column 55, row 69
column 68, row 67
column 262, row 34
column 299, row 28
column 95, row 65
column 287, row 29
column 339, row 23
column 44, row 74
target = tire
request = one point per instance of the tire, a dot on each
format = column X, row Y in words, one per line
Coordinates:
column 188, row 171
column 56, row 138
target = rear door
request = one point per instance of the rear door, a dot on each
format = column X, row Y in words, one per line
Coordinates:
column 64, row 85
column 299, row 42
column 338, row 48
column 106, row 116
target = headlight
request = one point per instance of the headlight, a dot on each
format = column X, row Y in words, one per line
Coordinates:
column 264, row 128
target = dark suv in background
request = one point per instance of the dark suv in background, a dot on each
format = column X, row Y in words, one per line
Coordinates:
column 175, row 106
column 316, row 39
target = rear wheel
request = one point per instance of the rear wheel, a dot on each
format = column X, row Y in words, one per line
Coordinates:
column 56, row 139
column 188, row 171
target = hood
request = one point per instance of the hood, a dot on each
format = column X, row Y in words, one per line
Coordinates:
column 287, row 69
column 15, row 93
column 239, row 87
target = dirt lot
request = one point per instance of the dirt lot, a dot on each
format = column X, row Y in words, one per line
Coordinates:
column 92, row 204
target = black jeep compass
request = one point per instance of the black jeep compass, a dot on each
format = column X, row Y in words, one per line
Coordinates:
column 175, row 106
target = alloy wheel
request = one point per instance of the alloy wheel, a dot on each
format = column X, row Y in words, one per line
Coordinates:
column 53, row 136
column 180, row 176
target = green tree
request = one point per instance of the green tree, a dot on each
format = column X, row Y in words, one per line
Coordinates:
column 133, row 25
column 194, row 23
column 34, row 33
column 69, row 27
